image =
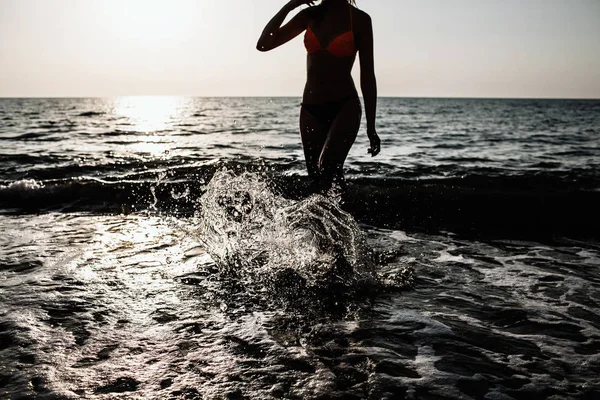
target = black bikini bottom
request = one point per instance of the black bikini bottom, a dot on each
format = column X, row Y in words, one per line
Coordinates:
column 325, row 113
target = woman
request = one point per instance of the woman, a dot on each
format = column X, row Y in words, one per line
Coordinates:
column 331, row 111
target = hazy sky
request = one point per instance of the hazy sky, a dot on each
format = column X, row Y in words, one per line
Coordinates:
column 446, row 48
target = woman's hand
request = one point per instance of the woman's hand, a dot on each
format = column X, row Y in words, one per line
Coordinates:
column 375, row 142
column 274, row 35
column 293, row 4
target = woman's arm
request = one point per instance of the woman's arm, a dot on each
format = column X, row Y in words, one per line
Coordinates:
column 368, row 83
column 274, row 35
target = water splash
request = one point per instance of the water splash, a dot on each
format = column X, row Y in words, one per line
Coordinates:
column 259, row 236
column 22, row 186
column 162, row 175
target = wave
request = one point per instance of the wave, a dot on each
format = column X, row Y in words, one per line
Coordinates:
column 91, row 114
column 529, row 207
column 38, row 136
column 24, row 187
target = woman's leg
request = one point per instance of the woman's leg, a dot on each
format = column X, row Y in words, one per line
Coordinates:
column 338, row 141
column 313, row 135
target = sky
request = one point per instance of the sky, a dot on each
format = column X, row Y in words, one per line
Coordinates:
column 423, row 48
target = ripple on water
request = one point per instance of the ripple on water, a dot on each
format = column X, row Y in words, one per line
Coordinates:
column 131, row 306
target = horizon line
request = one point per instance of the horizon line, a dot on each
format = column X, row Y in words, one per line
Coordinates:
column 283, row 97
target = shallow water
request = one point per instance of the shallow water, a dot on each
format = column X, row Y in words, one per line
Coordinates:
column 132, row 307
column 463, row 264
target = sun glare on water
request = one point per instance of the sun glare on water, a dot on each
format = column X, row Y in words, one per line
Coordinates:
column 152, row 117
column 149, row 114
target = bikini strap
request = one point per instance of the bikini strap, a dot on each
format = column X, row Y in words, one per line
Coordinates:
column 351, row 27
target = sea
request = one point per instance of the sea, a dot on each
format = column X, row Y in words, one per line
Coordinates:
column 171, row 248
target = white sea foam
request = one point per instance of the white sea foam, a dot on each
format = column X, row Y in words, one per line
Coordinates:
column 24, row 185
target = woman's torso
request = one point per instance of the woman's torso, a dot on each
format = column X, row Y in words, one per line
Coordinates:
column 330, row 39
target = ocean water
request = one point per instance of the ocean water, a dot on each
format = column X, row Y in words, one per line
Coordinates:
column 170, row 248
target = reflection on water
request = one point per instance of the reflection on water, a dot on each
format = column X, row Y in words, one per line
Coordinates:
column 96, row 306
column 149, row 114
column 152, row 118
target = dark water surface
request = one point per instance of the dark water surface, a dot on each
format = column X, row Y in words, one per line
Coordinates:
column 467, row 266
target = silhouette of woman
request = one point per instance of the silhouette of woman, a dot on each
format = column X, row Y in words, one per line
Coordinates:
column 331, row 111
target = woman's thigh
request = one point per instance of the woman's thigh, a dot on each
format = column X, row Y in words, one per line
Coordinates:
column 313, row 135
column 341, row 136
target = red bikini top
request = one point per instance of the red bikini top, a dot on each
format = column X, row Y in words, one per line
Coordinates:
column 341, row 46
